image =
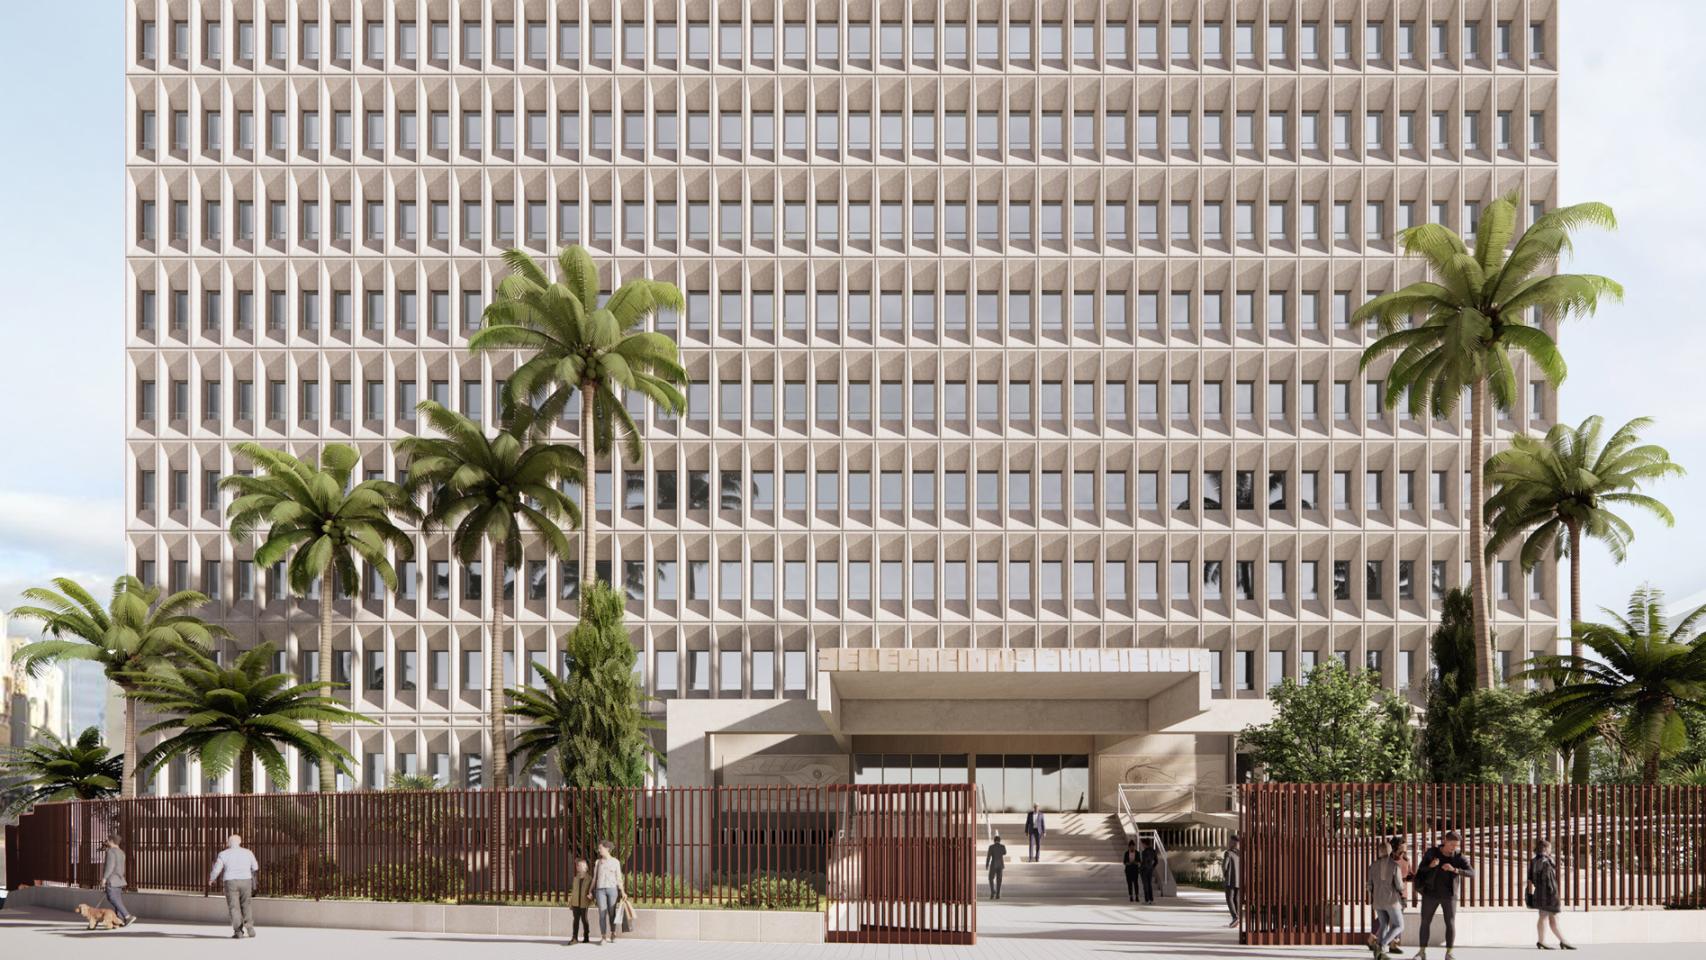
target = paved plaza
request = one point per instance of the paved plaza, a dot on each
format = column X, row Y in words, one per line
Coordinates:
column 1190, row 927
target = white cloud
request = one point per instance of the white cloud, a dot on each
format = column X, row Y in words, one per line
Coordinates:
column 65, row 530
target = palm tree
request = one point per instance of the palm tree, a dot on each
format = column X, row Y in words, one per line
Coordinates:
column 592, row 720
column 53, row 769
column 138, row 633
column 493, row 488
column 325, row 523
column 1571, row 483
column 1633, row 685
column 1480, row 306
column 572, row 344
column 232, row 716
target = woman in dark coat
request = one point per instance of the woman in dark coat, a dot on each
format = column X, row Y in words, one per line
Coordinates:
column 1543, row 895
column 1131, row 859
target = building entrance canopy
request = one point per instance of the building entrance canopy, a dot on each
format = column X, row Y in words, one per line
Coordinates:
column 942, row 691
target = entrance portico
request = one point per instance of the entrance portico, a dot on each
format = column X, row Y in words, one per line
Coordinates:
column 1043, row 723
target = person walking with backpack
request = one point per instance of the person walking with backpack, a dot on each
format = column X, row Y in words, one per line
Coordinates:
column 1543, row 895
column 1443, row 867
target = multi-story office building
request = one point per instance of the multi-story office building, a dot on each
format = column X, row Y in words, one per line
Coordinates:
column 1027, row 440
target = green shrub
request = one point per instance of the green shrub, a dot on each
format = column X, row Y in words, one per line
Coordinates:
column 652, row 886
column 768, row 892
column 425, row 879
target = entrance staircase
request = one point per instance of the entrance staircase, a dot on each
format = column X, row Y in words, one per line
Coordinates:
column 1080, row 859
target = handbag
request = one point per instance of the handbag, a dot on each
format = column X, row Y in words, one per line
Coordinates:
column 627, row 914
column 1528, row 899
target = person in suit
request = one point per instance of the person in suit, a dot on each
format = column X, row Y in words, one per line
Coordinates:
column 1035, row 828
column 1132, row 860
column 996, row 862
column 1148, row 859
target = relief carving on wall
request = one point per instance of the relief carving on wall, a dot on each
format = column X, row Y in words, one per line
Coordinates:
column 806, row 771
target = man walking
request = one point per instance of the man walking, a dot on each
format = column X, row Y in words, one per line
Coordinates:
column 996, row 862
column 1147, row 859
column 238, row 866
column 1437, row 878
column 1035, row 827
column 1386, row 895
column 1231, row 876
column 113, row 881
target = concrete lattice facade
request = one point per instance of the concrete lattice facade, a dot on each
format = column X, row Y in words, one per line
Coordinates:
column 1002, row 317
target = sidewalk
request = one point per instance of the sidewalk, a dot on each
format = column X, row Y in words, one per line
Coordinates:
column 1189, row 929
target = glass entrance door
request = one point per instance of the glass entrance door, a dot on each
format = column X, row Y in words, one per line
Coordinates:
column 1055, row 782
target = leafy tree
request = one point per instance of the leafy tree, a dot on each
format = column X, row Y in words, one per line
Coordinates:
column 1336, row 727
column 1551, row 492
column 51, row 769
column 573, row 344
column 413, row 783
column 1481, row 305
column 493, row 489
column 232, row 716
column 1635, row 686
column 326, row 524
column 138, row 633
column 592, row 720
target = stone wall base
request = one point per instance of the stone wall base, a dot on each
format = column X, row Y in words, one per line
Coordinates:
column 754, row 926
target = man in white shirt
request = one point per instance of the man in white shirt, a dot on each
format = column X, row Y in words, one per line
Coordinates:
column 238, row 866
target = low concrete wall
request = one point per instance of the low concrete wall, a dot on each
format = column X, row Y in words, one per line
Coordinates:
column 1507, row 928
column 754, row 926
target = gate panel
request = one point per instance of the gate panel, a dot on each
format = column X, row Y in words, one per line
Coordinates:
column 901, row 865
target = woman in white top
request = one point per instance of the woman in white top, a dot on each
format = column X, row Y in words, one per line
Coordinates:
column 606, row 891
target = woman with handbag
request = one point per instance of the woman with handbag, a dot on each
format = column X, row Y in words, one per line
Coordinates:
column 607, row 891
column 1543, row 895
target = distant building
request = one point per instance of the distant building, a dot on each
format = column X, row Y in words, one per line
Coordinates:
column 27, row 703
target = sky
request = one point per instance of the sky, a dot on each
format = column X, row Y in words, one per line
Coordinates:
column 1633, row 134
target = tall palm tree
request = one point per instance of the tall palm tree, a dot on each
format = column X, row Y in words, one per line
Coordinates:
column 493, row 488
column 50, row 769
column 573, row 344
column 1639, row 676
column 138, row 633
column 325, row 524
column 1570, row 483
column 1481, row 305
column 230, row 717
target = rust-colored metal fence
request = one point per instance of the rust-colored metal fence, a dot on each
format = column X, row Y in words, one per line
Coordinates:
column 901, row 867
column 882, row 863
column 1307, row 848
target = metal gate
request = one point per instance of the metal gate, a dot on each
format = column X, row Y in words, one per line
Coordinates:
column 901, row 865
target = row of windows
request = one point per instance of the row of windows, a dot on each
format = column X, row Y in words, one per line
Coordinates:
column 1087, row 403
column 755, row 134
column 1016, row 493
column 1020, row 43
column 827, row 311
column 1089, row 224
column 924, row 581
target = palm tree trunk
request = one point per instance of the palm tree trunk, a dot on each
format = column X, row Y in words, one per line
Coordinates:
column 1478, row 534
column 500, row 737
column 128, row 787
column 328, row 776
column 246, row 771
column 1581, row 761
column 589, row 494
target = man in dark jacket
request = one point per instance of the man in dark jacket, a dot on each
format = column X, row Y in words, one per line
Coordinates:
column 1035, row 827
column 1437, row 877
column 1146, row 862
column 996, row 863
